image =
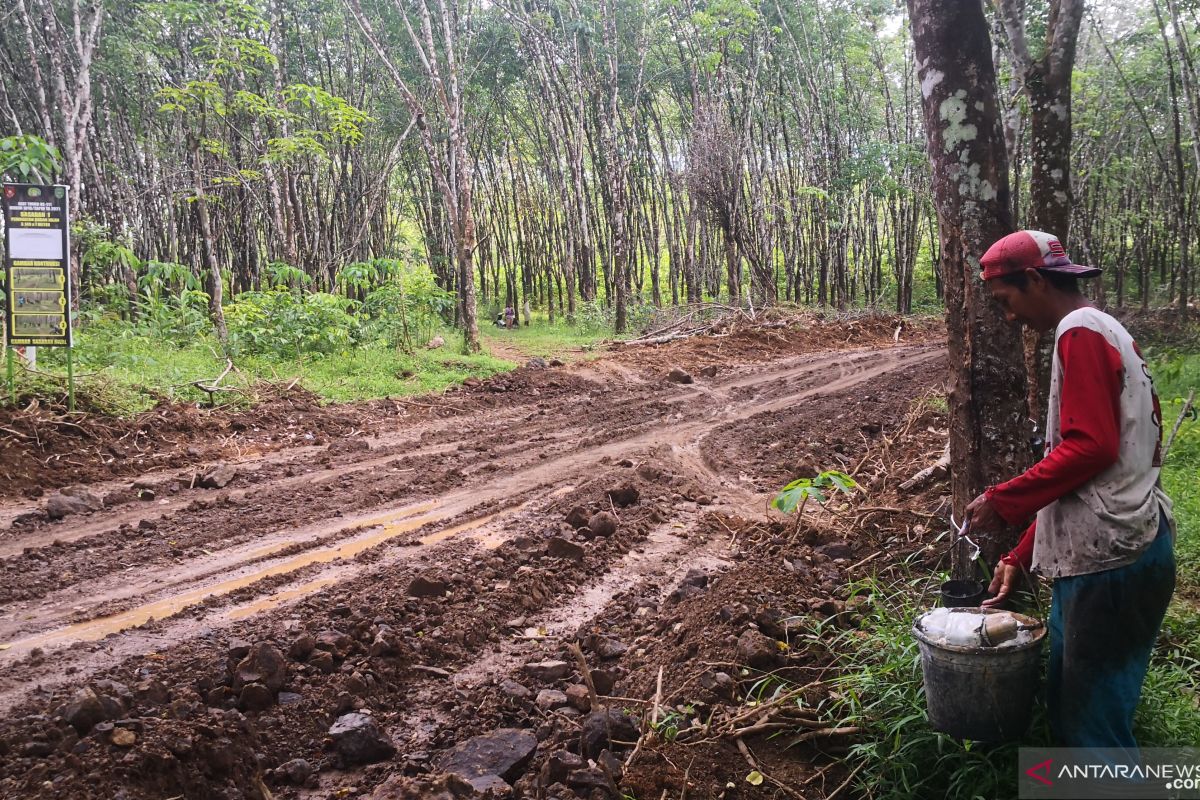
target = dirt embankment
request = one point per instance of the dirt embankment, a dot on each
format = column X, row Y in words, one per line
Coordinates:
column 365, row 601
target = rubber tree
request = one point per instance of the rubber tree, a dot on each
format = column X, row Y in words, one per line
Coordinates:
column 988, row 434
column 438, row 39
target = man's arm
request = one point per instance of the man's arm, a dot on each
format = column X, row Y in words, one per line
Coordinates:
column 1089, row 424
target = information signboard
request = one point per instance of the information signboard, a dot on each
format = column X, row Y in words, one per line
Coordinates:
column 37, row 265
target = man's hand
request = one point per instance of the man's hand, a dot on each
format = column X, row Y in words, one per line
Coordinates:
column 982, row 515
column 1003, row 582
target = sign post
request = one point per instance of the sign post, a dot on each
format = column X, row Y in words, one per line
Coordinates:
column 37, row 266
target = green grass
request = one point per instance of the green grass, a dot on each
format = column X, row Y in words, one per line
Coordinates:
column 1170, row 711
column 123, row 370
column 880, row 687
column 545, row 340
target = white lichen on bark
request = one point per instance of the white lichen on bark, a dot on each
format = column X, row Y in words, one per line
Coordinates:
column 953, row 112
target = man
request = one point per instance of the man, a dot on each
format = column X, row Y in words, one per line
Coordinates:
column 1103, row 530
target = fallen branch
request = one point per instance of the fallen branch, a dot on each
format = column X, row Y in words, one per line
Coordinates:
column 822, row 733
column 1183, row 412
column 214, row 386
column 936, row 471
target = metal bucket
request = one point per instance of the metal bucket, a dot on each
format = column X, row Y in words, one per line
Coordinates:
column 981, row 693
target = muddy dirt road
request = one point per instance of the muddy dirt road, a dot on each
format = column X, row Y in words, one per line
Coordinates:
column 358, row 607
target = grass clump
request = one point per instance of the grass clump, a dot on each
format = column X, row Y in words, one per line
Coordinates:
column 881, row 691
column 544, row 339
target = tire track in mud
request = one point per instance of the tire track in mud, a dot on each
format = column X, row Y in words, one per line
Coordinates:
column 486, row 513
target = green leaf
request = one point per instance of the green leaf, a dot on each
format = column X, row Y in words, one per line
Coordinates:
column 755, row 778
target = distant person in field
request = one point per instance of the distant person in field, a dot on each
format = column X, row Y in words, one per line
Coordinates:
column 1103, row 531
column 510, row 314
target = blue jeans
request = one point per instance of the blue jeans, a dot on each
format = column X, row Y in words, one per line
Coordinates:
column 1102, row 631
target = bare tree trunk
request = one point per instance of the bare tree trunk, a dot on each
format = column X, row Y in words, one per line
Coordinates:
column 970, row 182
column 207, row 242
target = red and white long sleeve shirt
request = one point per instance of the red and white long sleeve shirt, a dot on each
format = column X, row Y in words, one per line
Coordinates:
column 1096, row 492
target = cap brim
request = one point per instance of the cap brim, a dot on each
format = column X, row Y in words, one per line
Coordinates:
column 1078, row 270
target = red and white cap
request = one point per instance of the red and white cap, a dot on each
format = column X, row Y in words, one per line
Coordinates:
column 1030, row 250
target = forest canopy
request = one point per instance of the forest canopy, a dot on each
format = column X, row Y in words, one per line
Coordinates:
column 615, row 153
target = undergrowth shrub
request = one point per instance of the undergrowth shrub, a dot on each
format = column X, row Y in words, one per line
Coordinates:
column 287, row 323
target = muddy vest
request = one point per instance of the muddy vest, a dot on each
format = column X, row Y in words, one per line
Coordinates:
column 1107, row 522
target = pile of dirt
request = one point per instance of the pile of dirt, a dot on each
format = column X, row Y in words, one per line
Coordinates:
column 778, row 334
column 41, row 448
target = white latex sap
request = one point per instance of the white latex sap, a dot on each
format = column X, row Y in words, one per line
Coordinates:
column 966, row 627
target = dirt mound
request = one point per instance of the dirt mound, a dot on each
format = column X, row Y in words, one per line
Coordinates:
column 735, row 339
column 42, row 449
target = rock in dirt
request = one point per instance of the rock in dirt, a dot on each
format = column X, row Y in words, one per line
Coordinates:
column 558, row 765
column 336, row 642
column 123, row 737
column 577, row 517
column 152, row 692
column 708, row 372
column 347, row 446
column 578, row 697
column 238, row 649
column 606, row 730
column 835, row 550
column 296, row 772
column 536, row 363
column 255, row 697
column 427, row 587
column 217, row 477
column 359, row 741
column 605, row 680
column 757, row 651
column 514, row 690
column 443, row 787
column 61, row 505
column 693, row 583
column 263, row 664
column 720, row 683
column 322, row 660
column 604, row 646
column 602, row 524
column 624, row 496
column 504, row 753
column 678, row 375
column 548, row 671
column 36, row 749
column 778, row 625
column 559, row 547
column 302, row 646
column 550, row 699
column 587, row 780
column 386, row 642
column 87, row 708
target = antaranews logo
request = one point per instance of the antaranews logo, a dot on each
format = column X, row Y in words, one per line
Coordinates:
column 1041, row 772
column 1088, row 772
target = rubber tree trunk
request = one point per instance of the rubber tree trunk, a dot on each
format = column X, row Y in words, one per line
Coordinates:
column 988, row 411
column 208, row 244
